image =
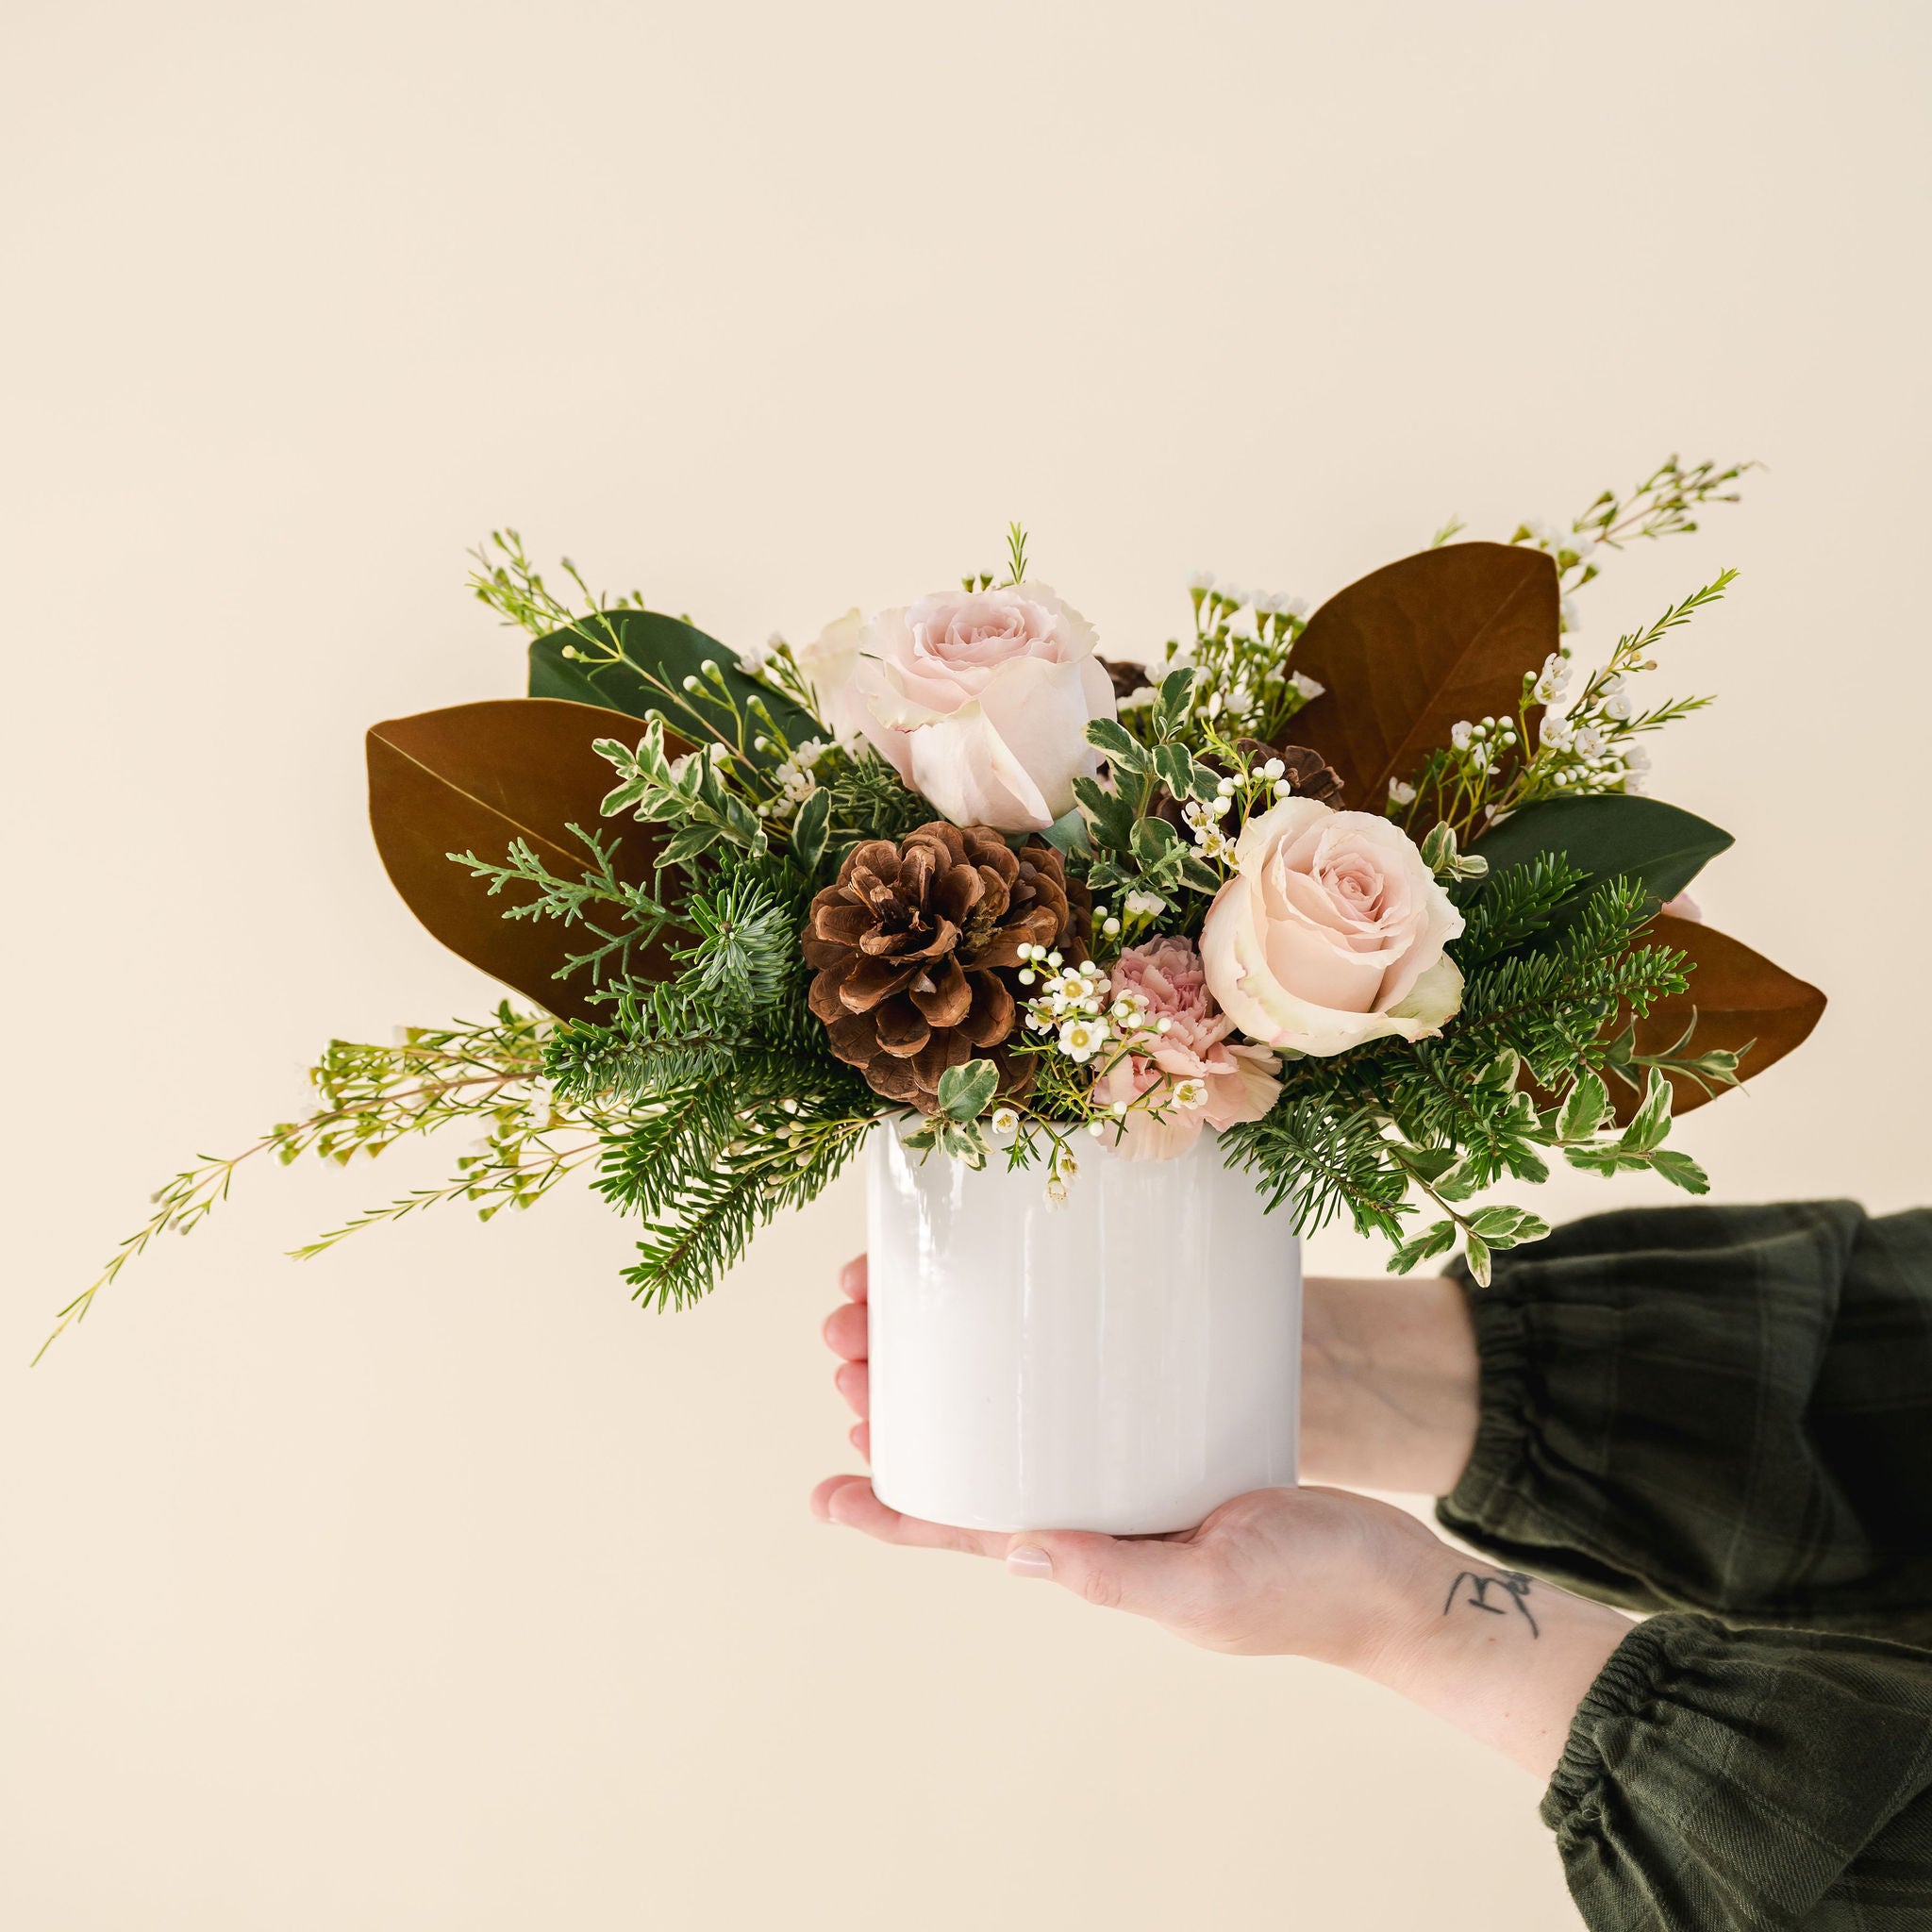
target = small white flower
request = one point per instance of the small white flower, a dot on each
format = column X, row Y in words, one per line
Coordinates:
column 1055, row 1193
column 1309, row 688
column 1005, row 1119
column 1555, row 734
column 1138, row 700
column 1572, row 617
column 1283, row 789
column 1296, row 608
column 1190, row 1094
column 1272, row 769
column 752, row 658
column 1617, row 709
column 1083, row 1037
column 1200, row 580
column 1233, row 594
column 1588, row 742
column 1546, row 535
column 1109, row 927
column 1097, row 1129
column 1460, row 734
column 1145, row 904
column 1400, row 794
column 1636, row 758
column 1267, row 603
column 1612, row 687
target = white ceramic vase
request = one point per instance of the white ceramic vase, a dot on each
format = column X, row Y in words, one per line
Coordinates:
column 1125, row 1363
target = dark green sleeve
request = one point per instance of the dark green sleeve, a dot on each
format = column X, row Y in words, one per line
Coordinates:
column 1725, row 1409
column 1720, row 1780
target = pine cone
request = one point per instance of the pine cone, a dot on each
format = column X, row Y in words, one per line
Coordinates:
column 1308, row 773
column 916, row 946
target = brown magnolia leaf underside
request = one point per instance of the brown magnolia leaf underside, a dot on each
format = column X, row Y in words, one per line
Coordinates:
column 472, row 777
column 1412, row 648
column 1739, row 996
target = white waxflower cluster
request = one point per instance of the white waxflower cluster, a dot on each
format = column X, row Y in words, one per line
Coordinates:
column 1483, row 743
column 715, row 751
column 1557, row 539
column 1076, row 1005
column 793, row 774
column 1145, row 904
column 754, row 660
column 1553, row 681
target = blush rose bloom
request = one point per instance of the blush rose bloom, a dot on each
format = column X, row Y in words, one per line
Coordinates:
column 1330, row 933
column 1234, row 1080
column 980, row 699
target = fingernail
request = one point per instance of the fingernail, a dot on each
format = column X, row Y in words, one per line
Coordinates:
column 1028, row 1561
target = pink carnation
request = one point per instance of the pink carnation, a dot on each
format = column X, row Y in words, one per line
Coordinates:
column 1234, row 1081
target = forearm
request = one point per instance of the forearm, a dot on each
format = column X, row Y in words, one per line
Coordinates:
column 1389, row 1389
column 1500, row 1654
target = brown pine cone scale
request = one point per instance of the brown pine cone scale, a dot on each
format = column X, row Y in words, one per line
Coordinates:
column 915, row 948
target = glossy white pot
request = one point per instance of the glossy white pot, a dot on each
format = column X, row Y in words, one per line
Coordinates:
column 1124, row 1362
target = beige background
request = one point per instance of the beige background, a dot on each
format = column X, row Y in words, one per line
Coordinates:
column 431, row 1585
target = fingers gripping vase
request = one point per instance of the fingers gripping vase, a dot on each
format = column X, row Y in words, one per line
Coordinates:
column 1125, row 1363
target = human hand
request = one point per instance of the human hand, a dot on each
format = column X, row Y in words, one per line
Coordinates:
column 1389, row 1379
column 1313, row 1573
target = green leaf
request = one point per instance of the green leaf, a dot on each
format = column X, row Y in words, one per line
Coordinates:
column 1155, row 840
column 1108, row 810
column 1174, row 764
column 965, row 1089
column 1437, row 1240
column 665, row 647
column 1172, row 704
column 1124, row 750
column 1652, row 1121
column 1609, row 836
column 1069, row 835
column 1681, row 1171
column 688, row 844
column 1477, row 1251
column 809, row 828
column 1583, row 1108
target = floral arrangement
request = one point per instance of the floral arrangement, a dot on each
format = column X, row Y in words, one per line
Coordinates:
column 1373, row 894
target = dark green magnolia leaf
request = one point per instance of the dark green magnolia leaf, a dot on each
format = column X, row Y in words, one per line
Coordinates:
column 669, row 650
column 1609, row 836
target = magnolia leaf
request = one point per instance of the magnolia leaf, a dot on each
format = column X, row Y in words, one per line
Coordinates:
column 1611, row 836
column 1414, row 648
column 1739, row 997
column 474, row 777
column 669, row 650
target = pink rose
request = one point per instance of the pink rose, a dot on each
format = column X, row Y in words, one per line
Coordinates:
column 1330, row 933
column 1206, row 1081
column 980, row 699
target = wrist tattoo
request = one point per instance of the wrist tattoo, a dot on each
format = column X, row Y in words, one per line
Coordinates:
column 1511, row 1584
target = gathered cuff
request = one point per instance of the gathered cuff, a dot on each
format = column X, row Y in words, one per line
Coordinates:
column 1502, row 1423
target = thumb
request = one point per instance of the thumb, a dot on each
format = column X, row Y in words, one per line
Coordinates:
column 1152, row 1578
